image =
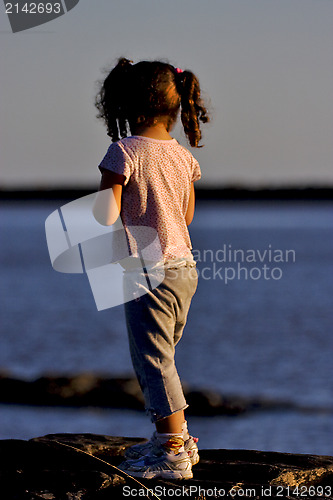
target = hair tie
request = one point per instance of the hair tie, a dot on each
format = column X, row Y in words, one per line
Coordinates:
column 178, row 70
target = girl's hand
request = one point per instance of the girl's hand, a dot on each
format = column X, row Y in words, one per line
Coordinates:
column 190, row 208
column 107, row 205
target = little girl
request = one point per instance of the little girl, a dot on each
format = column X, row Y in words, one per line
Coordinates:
column 151, row 176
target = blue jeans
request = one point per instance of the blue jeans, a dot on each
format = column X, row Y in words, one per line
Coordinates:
column 155, row 323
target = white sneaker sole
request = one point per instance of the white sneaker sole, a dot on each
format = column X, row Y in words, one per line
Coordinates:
column 134, row 455
column 165, row 474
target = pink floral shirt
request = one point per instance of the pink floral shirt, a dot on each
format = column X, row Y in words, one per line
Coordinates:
column 158, row 176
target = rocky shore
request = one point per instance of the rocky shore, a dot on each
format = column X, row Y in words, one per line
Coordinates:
column 84, row 467
column 88, row 389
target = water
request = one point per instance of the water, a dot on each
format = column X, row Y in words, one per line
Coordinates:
column 253, row 331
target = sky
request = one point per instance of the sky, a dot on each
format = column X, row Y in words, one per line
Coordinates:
column 265, row 68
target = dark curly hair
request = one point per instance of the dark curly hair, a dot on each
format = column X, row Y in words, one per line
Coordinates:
column 134, row 95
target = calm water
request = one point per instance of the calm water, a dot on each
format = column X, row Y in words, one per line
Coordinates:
column 260, row 325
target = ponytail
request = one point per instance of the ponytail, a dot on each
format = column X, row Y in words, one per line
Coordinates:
column 192, row 107
column 111, row 100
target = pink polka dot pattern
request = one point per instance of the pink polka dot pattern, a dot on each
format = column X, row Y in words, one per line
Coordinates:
column 156, row 192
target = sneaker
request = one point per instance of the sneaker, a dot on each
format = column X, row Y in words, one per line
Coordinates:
column 159, row 462
column 140, row 450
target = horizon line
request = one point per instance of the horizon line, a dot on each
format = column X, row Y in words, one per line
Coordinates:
column 227, row 192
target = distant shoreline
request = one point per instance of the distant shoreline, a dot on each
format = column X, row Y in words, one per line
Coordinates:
column 203, row 193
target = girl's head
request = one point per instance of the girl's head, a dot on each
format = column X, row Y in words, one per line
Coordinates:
column 138, row 95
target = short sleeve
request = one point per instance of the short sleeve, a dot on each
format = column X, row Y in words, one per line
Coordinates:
column 196, row 172
column 117, row 160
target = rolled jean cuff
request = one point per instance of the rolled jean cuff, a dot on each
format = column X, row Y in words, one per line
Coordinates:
column 155, row 417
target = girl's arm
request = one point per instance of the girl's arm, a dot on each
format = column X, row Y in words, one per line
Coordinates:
column 190, row 208
column 107, row 205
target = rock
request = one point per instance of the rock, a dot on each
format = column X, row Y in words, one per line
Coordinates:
column 87, row 389
column 211, row 403
column 84, row 389
column 61, row 466
column 84, row 467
